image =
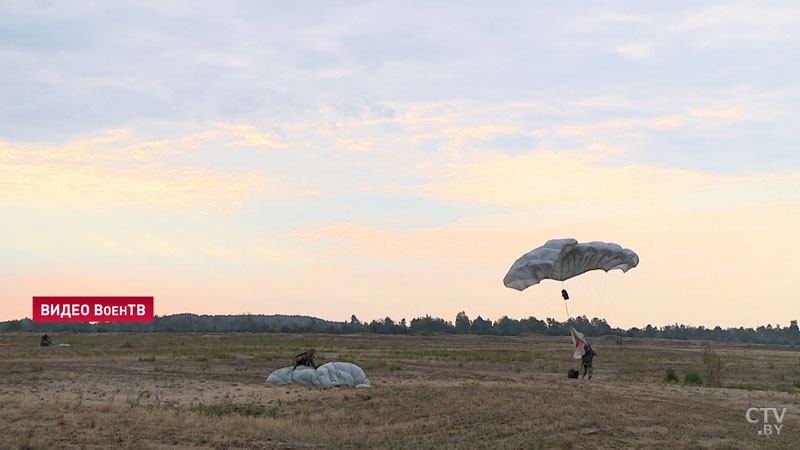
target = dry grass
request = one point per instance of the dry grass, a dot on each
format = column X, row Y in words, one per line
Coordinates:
column 191, row 391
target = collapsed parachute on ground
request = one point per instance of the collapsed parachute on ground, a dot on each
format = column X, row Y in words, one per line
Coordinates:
column 328, row 374
column 561, row 259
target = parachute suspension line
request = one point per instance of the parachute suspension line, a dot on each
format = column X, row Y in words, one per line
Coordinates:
column 598, row 292
column 603, row 279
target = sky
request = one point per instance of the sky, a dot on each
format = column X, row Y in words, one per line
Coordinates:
column 395, row 158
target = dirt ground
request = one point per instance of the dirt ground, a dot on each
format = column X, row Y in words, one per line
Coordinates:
column 153, row 391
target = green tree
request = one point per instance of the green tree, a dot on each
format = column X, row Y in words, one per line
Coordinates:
column 462, row 323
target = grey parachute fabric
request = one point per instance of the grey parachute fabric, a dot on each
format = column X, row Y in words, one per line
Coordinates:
column 342, row 373
column 328, row 374
column 561, row 259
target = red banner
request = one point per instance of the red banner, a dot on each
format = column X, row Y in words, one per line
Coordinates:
column 92, row 309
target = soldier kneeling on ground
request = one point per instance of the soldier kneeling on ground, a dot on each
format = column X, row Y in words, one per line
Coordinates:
column 46, row 341
column 305, row 359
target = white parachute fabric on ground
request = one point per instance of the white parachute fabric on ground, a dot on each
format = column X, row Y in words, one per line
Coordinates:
column 305, row 375
column 578, row 342
column 341, row 373
column 328, row 374
column 561, row 259
column 300, row 374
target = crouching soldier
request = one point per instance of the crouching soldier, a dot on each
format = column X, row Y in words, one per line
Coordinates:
column 305, row 359
column 586, row 361
column 46, row 341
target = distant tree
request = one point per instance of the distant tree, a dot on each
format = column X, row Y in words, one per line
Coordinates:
column 428, row 324
column 791, row 334
column 462, row 323
column 556, row 328
column 601, row 327
column 481, row 326
column 508, row 327
column 12, row 325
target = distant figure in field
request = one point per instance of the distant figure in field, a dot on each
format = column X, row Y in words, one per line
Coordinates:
column 305, row 359
column 586, row 360
column 46, row 341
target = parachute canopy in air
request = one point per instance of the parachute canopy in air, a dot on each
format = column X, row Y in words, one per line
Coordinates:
column 561, row 259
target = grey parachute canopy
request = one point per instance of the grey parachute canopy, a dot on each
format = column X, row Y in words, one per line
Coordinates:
column 561, row 259
column 328, row 374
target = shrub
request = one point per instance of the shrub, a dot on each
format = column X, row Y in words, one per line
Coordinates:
column 712, row 367
column 229, row 409
column 671, row 376
column 692, row 378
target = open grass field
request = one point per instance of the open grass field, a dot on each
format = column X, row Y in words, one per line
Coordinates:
column 143, row 391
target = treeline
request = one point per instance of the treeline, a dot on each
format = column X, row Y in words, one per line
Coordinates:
column 592, row 328
column 186, row 323
column 505, row 326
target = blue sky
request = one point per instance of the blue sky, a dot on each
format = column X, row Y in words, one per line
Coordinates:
column 395, row 158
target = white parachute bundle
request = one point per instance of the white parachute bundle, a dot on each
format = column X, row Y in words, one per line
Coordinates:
column 328, row 374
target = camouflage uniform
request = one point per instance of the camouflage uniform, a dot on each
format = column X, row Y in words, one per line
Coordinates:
column 305, row 359
column 586, row 361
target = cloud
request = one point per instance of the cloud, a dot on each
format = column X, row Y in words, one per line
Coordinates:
column 550, row 178
column 453, row 242
column 124, row 145
column 726, row 113
column 605, row 101
column 121, row 167
column 584, row 130
column 737, row 22
column 250, row 136
column 154, row 185
column 159, row 148
column 347, row 144
column 638, row 52
column 98, row 149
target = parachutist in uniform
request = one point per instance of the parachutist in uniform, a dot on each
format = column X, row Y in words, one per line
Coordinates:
column 305, row 359
column 586, row 360
column 565, row 294
column 46, row 341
